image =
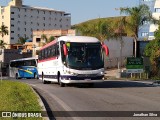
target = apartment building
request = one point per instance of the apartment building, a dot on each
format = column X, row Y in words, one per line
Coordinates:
column 146, row 31
column 22, row 20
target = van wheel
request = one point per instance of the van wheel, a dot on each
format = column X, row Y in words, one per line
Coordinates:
column 59, row 80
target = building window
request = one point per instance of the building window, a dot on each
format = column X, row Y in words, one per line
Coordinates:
column 25, row 23
column 25, row 29
column 151, row 34
column 31, row 22
column 31, row 29
column 19, row 9
column 44, row 12
column 2, row 17
column 18, row 22
column 12, row 12
column 157, row 10
column 44, row 24
column 38, row 11
column 43, row 18
column 55, row 24
column 12, row 25
column 60, row 26
column 25, row 15
column 12, row 38
column 12, row 18
column 18, row 29
column 38, row 39
column 25, row 10
column 12, row 31
column 18, row 35
column 37, row 24
column 18, row 16
column 50, row 12
column 144, row 34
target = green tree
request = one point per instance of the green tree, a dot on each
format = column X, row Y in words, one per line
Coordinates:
column 22, row 40
column 51, row 38
column 152, row 50
column 3, row 30
column 137, row 16
column 2, row 44
column 100, row 29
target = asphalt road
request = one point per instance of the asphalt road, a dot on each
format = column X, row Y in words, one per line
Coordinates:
column 116, row 96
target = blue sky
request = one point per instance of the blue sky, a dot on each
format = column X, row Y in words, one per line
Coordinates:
column 82, row 10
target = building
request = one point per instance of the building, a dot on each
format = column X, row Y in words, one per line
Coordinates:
column 22, row 20
column 146, row 31
column 38, row 42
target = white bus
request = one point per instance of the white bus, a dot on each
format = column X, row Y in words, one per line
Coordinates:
column 23, row 68
column 72, row 59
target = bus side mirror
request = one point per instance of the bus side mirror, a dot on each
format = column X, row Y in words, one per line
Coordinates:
column 105, row 48
column 65, row 50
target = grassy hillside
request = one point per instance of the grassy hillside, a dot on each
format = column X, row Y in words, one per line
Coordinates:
column 89, row 25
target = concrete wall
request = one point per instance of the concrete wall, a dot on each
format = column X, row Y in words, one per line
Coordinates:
column 114, row 51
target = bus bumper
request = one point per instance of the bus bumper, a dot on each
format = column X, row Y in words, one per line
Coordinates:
column 96, row 79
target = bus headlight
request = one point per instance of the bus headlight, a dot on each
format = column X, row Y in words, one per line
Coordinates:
column 102, row 73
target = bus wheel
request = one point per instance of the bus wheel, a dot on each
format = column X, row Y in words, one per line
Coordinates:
column 44, row 82
column 35, row 76
column 59, row 80
column 16, row 76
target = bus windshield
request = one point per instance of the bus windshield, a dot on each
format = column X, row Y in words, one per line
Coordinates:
column 86, row 56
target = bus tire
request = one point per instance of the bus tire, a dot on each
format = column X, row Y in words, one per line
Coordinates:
column 59, row 80
column 35, row 76
column 44, row 82
column 16, row 76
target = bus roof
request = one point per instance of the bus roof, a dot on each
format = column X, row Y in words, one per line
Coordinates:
column 30, row 58
column 80, row 39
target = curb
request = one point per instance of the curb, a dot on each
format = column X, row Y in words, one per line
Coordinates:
column 41, row 104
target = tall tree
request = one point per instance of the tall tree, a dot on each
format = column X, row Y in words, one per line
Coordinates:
column 51, row 38
column 3, row 30
column 2, row 44
column 152, row 50
column 22, row 40
column 137, row 16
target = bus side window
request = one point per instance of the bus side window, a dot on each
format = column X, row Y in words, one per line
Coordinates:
column 43, row 53
column 49, row 52
column 40, row 55
column 57, row 49
column 53, row 51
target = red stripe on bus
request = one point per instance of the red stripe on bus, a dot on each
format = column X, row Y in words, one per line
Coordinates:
column 48, row 59
column 49, row 44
